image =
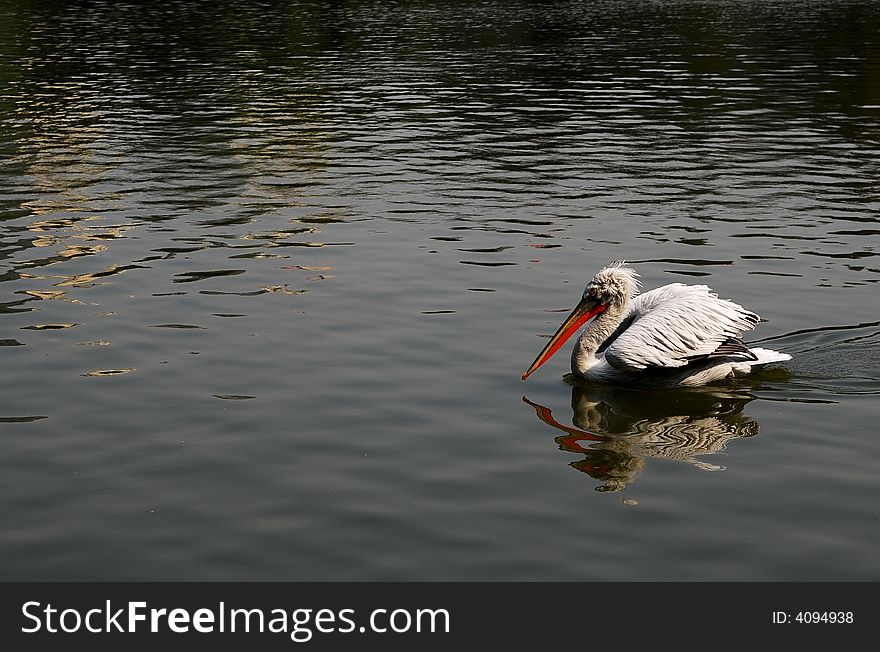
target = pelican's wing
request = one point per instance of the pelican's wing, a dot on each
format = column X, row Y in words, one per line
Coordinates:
column 676, row 324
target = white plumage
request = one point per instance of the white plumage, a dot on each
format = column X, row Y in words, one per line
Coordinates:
column 675, row 335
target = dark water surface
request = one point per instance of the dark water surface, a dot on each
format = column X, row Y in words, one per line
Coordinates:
column 271, row 272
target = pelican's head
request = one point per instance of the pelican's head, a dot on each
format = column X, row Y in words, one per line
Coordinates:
column 612, row 287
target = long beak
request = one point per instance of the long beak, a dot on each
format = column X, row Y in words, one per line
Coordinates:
column 583, row 312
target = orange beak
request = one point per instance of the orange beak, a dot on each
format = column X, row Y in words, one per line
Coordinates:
column 583, row 312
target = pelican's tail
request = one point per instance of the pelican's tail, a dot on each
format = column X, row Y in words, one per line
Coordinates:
column 766, row 356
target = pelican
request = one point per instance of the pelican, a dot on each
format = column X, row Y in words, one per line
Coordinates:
column 673, row 336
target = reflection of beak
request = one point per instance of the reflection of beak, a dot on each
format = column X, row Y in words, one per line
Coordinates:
column 574, row 434
column 583, row 312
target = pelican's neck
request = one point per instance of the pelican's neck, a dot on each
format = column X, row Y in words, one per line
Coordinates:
column 583, row 355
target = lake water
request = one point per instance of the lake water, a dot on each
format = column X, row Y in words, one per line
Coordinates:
column 271, row 272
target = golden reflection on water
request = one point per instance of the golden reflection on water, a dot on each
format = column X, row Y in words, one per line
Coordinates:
column 83, row 169
column 49, row 327
column 618, row 430
column 45, row 294
column 92, row 278
column 109, row 372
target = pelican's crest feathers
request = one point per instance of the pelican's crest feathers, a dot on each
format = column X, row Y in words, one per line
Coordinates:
column 617, row 279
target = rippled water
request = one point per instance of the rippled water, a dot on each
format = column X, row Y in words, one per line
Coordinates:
column 271, row 272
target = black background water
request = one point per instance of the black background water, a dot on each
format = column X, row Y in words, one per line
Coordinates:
column 271, row 272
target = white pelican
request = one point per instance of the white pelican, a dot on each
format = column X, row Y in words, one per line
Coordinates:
column 674, row 336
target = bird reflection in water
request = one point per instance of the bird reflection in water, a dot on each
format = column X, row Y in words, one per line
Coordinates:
column 617, row 430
